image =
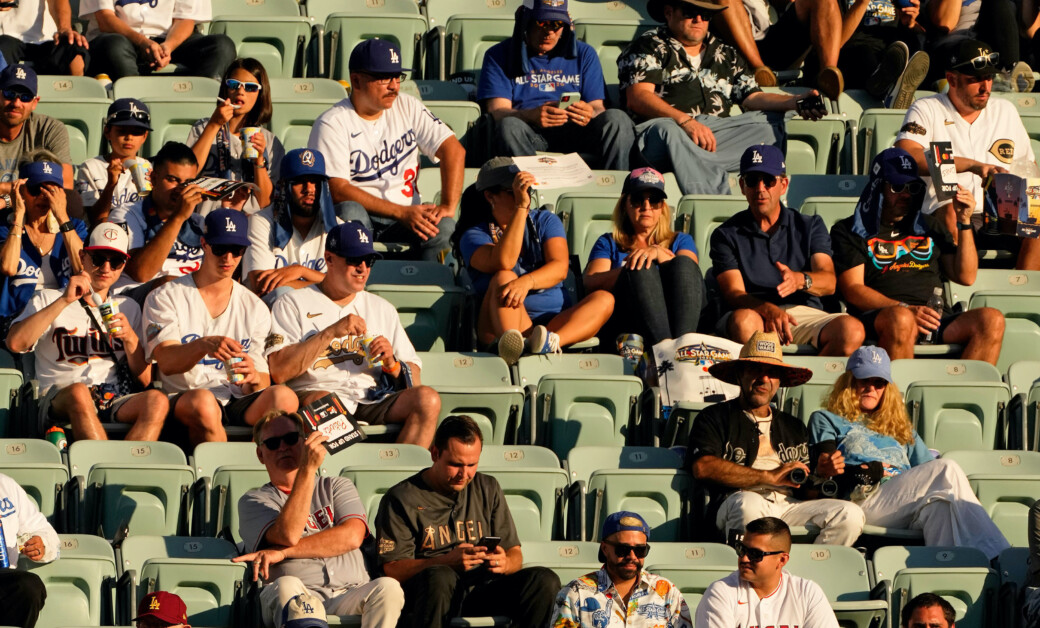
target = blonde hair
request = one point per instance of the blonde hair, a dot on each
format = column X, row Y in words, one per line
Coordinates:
column 625, row 233
column 888, row 419
column 295, row 417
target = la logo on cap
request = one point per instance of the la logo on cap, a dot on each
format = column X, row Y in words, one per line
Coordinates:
column 134, row 110
column 19, row 73
column 307, row 158
column 875, row 357
column 47, row 168
column 756, row 158
column 154, row 605
column 361, row 236
column 904, row 162
column 230, row 226
column 393, row 56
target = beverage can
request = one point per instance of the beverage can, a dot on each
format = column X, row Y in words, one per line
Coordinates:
column 108, row 310
column 5, row 560
column 366, row 342
column 141, row 172
column 248, row 150
column 106, row 82
column 56, row 436
column 232, row 376
column 630, row 347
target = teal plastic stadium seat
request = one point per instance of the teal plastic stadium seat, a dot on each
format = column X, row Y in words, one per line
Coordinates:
column 478, row 385
column 958, row 415
column 570, row 560
column 906, row 372
column 224, row 472
column 802, row 401
column 577, row 410
column 373, row 481
column 374, row 454
column 37, row 467
column 532, row 368
column 320, row 10
column 297, row 103
column 803, row 186
column 266, row 8
column 141, row 485
column 517, row 456
column 997, row 280
column 842, row 574
column 830, row 209
column 84, row 121
column 814, row 146
column 172, row 118
column 279, row 43
column 459, row 115
column 586, row 216
column 1014, row 573
column 1006, row 483
column 700, row 214
column 469, row 35
column 960, row 575
column 1021, row 342
column 439, row 90
column 878, row 129
column 344, row 31
column 166, row 87
column 609, row 9
column 693, row 577
column 608, row 36
column 534, row 496
column 10, row 384
column 583, row 461
column 439, row 11
column 1024, row 103
column 1011, row 304
column 657, row 494
column 80, row 584
column 426, row 299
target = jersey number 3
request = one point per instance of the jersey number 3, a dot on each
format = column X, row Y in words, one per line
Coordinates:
column 409, row 183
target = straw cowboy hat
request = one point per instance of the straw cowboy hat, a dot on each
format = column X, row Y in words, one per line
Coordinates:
column 762, row 348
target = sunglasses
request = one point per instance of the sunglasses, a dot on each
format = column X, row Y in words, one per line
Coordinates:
column 129, row 116
column 13, row 94
column 250, row 87
column 384, row 79
column 754, row 554
column 115, row 261
column 691, row 12
column 913, row 187
column 368, row 260
column 551, row 25
column 637, row 199
column 752, row 180
column 275, row 442
column 980, row 61
column 35, row 189
column 871, row 382
column 220, row 250
column 623, row 549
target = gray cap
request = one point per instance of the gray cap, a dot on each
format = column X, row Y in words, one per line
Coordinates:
column 498, row 171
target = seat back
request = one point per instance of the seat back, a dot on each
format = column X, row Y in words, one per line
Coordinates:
column 296, row 103
column 426, row 298
column 801, row 401
column 570, row 560
column 278, row 42
column 814, row 146
column 830, row 209
column 80, row 584
column 347, row 30
column 906, row 372
column 878, row 129
column 586, row 216
column 583, row 461
column 576, row 410
column 208, row 457
column 373, row 482
column 531, row 368
column 10, row 384
column 1021, row 342
column 659, row 495
column 1012, row 304
column 228, row 485
column 459, row 115
column 840, row 571
column 691, row 567
column 1006, row 483
column 267, row 8
column 37, row 467
column 803, row 186
column 440, row 10
column 469, row 35
column 81, row 103
column 517, row 457
column 534, row 496
column 701, row 214
column 322, row 9
column 608, row 36
column 993, row 280
column 958, row 415
column 373, row 455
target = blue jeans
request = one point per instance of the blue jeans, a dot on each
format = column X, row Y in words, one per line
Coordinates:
column 389, row 230
column 609, row 136
column 665, row 300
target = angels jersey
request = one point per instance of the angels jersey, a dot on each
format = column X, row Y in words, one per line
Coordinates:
column 342, row 367
column 796, row 603
column 308, row 251
column 380, row 156
column 92, row 177
column 175, row 312
column 70, row 350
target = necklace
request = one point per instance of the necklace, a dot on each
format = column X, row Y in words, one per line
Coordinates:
column 37, row 243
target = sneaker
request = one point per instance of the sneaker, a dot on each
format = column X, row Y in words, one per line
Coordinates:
column 765, row 77
column 1022, row 77
column 901, row 96
column 830, row 82
column 893, row 62
column 511, row 346
column 542, row 340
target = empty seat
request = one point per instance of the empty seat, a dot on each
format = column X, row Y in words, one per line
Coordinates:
column 568, row 559
column 81, row 103
column 296, row 103
column 576, row 410
column 80, row 584
column 224, row 472
column 440, row 10
column 373, row 455
column 608, row 35
column 842, row 574
column 803, row 186
column 344, row 31
column 279, row 43
column 321, row 9
column 583, row 461
column 659, row 495
column 10, row 384
column 535, row 496
column 998, row 280
column 691, row 566
column 830, row 209
column 610, row 9
column 1021, row 342
column 426, row 299
column 878, row 129
column 469, row 35
column 37, row 467
column 700, row 214
column 1006, row 483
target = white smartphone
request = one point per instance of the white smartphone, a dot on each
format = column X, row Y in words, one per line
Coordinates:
column 569, row 98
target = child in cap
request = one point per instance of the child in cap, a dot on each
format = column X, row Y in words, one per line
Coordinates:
column 104, row 182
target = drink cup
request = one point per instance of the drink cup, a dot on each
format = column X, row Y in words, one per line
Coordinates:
column 248, row 150
column 229, row 368
column 367, row 342
column 141, row 172
column 630, row 347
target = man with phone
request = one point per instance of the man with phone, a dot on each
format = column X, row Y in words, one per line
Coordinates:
column 621, row 590
column 545, row 90
column 431, row 533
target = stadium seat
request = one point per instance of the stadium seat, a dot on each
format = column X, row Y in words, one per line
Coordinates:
column 1024, row 103
column 906, row 372
column 373, row 481
column 296, row 103
column 10, row 385
column 277, row 42
column 1021, row 342
column 80, row 584
column 143, row 487
column 176, row 103
column 830, row 208
column 814, row 146
column 1023, row 377
column 570, row 560
column 535, row 496
column 267, row 8
column 37, row 467
column 583, row 461
column 433, row 89
column 224, row 472
column 960, row 575
column 997, row 280
column 586, row 216
column 320, row 10
column 610, row 9
column 81, row 103
column 691, row 566
column 842, row 574
column 198, row 570
column 344, row 31
column 517, row 457
column 878, row 129
column 659, row 495
column 608, row 35
column 803, row 186
column 439, row 11
column 459, row 115
column 700, row 214
column 802, row 401
column 1014, row 572
column 374, row 454
column 468, row 36
column 429, row 184
column 576, row 410
column 1006, row 483
column 426, row 298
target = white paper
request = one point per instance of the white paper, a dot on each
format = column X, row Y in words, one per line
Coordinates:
column 556, row 171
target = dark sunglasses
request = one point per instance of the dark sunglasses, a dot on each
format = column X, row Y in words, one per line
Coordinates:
column 369, row 260
column 12, row 94
column 220, row 250
column 637, row 199
column 249, row 86
column 754, row 554
column 35, row 189
column 980, row 61
column 691, row 12
column 913, row 187
column 127, row 116
column 275, row 442
column 752, row 180
column 552, row 25
column 115, row 261
column 623, row 549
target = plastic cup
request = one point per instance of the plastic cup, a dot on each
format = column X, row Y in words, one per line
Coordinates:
column 248, row 150
column 141, row 172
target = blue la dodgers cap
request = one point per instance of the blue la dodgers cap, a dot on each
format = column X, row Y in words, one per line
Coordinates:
column 868, row 362
column 227, row 226
column 763, row 158
column 41, row 172
column 350, row 239
column 18, row 76
column 376, row 56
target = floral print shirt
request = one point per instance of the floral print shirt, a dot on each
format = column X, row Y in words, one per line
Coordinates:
column 722, row 80
column 592, row 602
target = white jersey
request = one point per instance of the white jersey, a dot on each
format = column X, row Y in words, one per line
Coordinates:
column 70, row 350
column 29, row 22
column 308, row 251
column 91, row 179
column 380, row 156
column 996, row 137
column 733, row 603
column 181, row 260
column 151, row 19
column 21, row 516
column 175, row 312
column 273, row 154
column 341, row 368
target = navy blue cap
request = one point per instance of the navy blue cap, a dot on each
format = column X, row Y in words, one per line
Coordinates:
column 895, row 166
column 350, row 239
column 41, row 172
column 548, row 10
column 763, row 158
column 624, row 521
column 302, row 162
column 868, row 362
column 642, row 179
column 376, row 56
column 227, row 226
column 129, row 112
column 18, row 76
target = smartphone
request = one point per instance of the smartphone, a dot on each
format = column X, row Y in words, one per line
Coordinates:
column 902, row 4
column 810, row 103
column 490, row 542
column 569, row 98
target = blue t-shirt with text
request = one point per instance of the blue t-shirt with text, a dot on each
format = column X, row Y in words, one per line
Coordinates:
column 550, row 77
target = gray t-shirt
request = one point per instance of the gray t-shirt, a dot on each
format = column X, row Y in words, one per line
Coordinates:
column 335, row 500
column 39, row 131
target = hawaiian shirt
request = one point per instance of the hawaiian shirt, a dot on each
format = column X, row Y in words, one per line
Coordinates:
column 591, row 601
column 723, row 78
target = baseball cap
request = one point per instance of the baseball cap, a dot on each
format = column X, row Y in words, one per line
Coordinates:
column 108, row 236
column 350, row 239
column 306, row 610
column 974, row 58
column 643, row 179
column 227, row 226
column 376, row 56
column 548, row 10
column 41, row 172
column 497, row 171
column 868, row 362
column 129, row 112
column 895, row 166
column 624, row 521
column 168, row 608
column 656, row 7
column 763, row 158
column 302, row 162
column 18, row 76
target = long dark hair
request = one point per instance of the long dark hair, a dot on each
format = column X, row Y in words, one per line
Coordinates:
column 260, row 114
column 475, row 210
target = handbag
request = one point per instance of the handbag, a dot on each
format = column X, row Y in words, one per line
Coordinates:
column 126, row 384
column 681, row 367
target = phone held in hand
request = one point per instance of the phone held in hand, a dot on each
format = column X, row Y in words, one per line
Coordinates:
column 490, row 542
column 810, row 103
column 569, row 98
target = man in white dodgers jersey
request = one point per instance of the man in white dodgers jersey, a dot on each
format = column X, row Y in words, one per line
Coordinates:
column 197, row 323
column 78, row 377
column 287, row 237
column 372, row 142
column 760, row 593
column 316, row 343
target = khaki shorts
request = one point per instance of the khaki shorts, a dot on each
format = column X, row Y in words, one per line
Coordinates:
column 809, row 322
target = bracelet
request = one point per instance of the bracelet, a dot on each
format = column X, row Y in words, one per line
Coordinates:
column 8, row 202
column 395, row 371
column 682, row 125
column 67, row 226
column 962, row 226
column 262, row 166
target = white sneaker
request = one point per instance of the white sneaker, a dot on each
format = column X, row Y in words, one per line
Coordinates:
column 511, row 346
column 1022, row 79
column 542, row 340
column 901, row 96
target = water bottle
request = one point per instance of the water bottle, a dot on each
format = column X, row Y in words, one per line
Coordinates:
column 56, row 435
column 936, row 303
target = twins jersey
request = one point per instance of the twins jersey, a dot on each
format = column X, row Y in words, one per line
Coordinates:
column 151, row 18
column 182, row 259
column 591, row 601
column 796, row 603
column 30, row 22
column 334, row 501
column 176, row 313
column 91, row 178
column 308, row 251
column 21, row 516
column 70, row 350
column 342, row 367
column 996, row 137
column 380, row 156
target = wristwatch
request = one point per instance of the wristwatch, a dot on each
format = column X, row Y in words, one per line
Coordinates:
column 964, row 226
column 808, row 281
column 8, row 202
column 67, row 227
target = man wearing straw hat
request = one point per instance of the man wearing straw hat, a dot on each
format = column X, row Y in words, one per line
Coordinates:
column 744, row 451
